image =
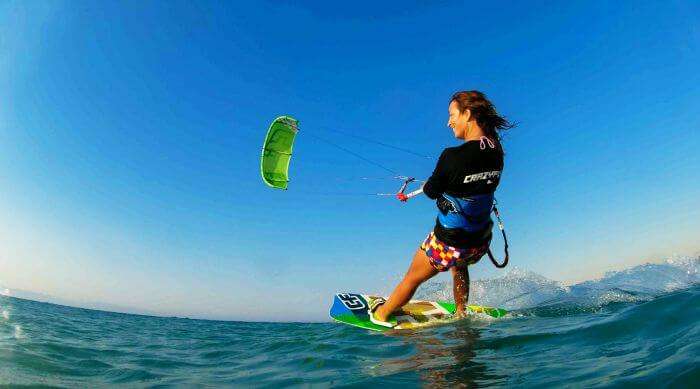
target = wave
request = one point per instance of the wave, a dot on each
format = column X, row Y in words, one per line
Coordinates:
column 527, row 293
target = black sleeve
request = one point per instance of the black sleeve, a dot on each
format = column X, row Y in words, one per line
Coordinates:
column 437, row 183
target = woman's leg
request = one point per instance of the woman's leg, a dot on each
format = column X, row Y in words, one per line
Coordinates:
column 419, row 271
column 460, row 288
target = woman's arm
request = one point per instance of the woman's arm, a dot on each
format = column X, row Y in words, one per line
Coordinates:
column 437, row 183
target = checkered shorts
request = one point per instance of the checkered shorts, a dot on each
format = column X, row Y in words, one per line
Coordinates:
column 442, row 257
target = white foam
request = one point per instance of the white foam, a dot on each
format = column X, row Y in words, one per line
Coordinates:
column 518, row 289
column 19, row 334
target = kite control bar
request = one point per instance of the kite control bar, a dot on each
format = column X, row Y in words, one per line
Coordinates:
column 406, row 181
column 401, row 195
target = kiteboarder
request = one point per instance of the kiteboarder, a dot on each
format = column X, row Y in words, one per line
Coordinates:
column 463, row 185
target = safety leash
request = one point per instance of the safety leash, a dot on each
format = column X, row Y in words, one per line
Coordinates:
column 505, row 240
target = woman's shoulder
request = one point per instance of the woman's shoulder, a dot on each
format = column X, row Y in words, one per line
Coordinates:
column 449, row 153
column 469, row 151
column 464, row 147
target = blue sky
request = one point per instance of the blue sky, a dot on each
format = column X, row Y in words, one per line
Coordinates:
column 130, row 137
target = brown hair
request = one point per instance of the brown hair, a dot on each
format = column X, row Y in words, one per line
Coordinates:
column 483, row 112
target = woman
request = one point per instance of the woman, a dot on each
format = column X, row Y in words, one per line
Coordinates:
column 463, row 183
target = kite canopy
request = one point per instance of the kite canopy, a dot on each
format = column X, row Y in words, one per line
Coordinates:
column 277, row 151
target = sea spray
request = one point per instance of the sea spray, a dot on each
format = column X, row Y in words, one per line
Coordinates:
column 519, row 289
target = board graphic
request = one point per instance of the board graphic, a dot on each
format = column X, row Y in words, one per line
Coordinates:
column 352, row 309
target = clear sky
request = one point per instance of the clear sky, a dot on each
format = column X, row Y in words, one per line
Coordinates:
column 130, row 137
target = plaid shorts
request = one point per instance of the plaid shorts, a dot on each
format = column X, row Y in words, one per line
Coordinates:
column 442, row 257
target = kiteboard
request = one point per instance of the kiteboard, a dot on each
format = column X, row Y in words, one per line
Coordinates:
column 353, row 309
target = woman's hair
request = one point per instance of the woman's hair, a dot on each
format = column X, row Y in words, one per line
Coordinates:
column 483, row 112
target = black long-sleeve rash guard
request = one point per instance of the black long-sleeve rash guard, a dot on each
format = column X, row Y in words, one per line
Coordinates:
column 472, row 168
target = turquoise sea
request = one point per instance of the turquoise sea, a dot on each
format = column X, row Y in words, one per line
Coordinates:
column 638, row 327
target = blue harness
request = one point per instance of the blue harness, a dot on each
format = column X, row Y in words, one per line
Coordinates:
column 471, row 214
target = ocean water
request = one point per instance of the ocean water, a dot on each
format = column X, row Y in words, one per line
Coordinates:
column 638, row 327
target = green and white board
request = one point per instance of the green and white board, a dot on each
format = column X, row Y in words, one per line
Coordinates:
column 352, row 309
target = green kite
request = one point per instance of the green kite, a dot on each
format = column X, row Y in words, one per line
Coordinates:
column 277, row 151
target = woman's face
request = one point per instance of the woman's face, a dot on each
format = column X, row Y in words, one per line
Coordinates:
column 457, row 121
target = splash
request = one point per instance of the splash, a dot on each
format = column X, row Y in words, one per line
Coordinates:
column 520, row 289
